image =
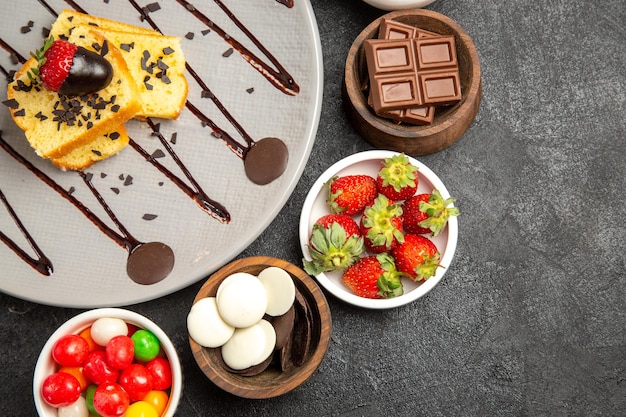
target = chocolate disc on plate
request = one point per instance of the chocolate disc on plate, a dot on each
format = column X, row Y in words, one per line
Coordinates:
column 266, row 160
column 150, row 263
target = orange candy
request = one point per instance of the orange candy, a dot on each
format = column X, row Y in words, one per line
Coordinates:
column 157, row 399
column 77, row 372
column 93, row 346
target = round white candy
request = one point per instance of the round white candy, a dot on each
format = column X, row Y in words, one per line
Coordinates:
column 77, row 409
column 206, row 326
column 241, row 301
column 237, row 276
column 280, row 289
column 106, row 328
column 270, row 340
column 248, row 346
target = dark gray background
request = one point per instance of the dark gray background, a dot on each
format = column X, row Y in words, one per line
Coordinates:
column 530, row 317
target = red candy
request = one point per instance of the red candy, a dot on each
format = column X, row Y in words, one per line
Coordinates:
column 60, row 389
column 98, row 370
column 110, row 400
column 70, row 350
column 120, row 352
column 161, row 373
column 136, row 380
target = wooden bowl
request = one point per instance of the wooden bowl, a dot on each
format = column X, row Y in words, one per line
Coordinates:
column 272, row 382
column 450, row 122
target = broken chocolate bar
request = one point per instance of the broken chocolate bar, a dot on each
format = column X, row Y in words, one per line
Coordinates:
column 406, row 73
column 391, row 29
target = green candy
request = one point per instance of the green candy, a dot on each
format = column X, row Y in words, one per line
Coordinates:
column 147, row 345
column 91, row 389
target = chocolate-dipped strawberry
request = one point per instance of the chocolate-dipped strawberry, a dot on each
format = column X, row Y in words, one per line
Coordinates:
column 70, row 69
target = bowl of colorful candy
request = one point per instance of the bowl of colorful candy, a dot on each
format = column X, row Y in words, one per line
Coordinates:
column 259, row 327
column 108, row 362
column 412, row 82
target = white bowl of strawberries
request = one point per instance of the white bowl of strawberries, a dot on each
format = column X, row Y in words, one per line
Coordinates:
column 374, row 245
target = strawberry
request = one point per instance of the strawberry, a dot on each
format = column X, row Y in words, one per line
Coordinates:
column 417, row 257
column 427, row 213
column 397, row 179
column 381, row 225
column 351, row 193
column 335, row 243
column 69, row 69
column 374, row 277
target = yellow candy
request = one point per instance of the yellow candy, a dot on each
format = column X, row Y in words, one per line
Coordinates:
column 141, row 409
column 158, row 399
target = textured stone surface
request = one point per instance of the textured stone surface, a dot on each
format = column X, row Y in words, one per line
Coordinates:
column 530, row 318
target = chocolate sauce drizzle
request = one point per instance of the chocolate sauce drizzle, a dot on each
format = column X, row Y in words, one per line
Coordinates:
column 124, row 239
column 151, row 262
column 288, row 3
column 281, row 79
column 211, row 207
column 41, row 264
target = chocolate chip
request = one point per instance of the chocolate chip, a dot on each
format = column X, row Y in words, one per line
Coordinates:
column 158, row 154
column 127, row 46
column 12, row 103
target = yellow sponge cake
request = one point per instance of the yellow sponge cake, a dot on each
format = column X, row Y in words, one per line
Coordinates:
column 155, row 61
column 56, row 124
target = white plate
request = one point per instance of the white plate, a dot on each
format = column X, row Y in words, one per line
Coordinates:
column 90, row 267
column 315, row 206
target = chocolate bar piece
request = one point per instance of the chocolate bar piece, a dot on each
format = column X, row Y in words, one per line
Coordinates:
column 391, row 29
column 407, row 73
column 422, row 115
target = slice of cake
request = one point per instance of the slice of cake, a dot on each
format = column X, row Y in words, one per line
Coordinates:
column 56, row 124
column 155, row 61
column 69, row 19
column 103, row 147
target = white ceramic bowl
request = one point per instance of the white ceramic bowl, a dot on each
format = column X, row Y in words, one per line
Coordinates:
column 315, row 206
column 46, row 365
column 398, row 4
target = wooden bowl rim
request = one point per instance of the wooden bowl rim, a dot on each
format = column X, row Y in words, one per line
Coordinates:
column 243, row 386
column 461, row 111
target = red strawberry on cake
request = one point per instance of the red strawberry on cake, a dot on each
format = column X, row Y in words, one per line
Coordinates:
column 70, row 69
